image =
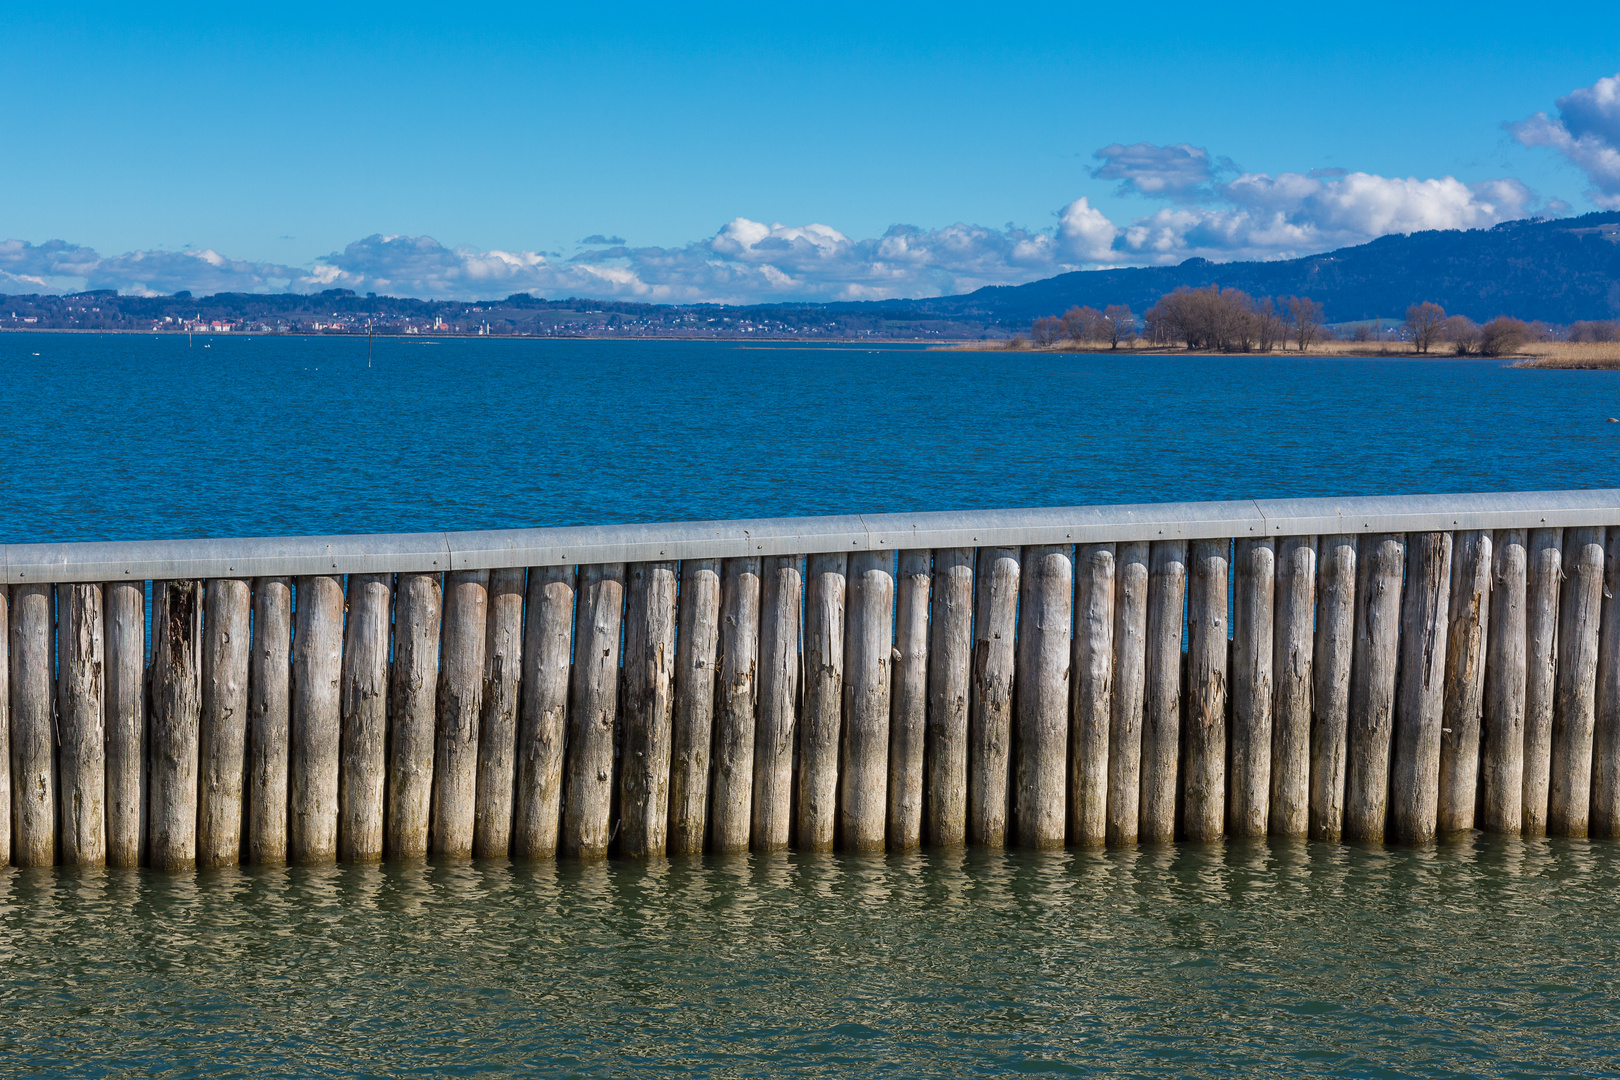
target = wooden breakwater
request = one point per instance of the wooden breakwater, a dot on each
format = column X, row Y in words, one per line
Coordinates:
column 1360, row 669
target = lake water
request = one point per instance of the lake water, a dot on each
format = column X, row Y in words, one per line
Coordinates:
column 1482, row 957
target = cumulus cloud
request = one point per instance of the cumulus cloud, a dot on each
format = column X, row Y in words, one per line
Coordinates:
column 598, row 240
column 1179, row 171
column 1587, row 132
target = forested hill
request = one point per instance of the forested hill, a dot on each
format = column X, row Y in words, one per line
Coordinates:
column 1560, row 271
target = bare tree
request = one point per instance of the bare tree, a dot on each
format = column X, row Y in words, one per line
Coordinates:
column 1272, row 329
column 1046, row 330
column 1423, row 322
column 1304, row 319
column 1502, row 336
column 1463, row 334
column 1118, row 324
column 1082, row 323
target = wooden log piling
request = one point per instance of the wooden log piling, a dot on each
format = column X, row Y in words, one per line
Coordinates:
column 692, row 735
column 1331, row 667
column 1292, row 671
column 1380, row 567
column 413, row 687
column 223, row 728
column 781, row 585
column 950, row 682
column 1414, row 789
column 1203, row 779
column 593, row 707
column 1545, row 577
column 1248, row 809
column 731, row 787
column 1045, row 617
column 1092, row 674
column 496, row 779
column 908, row 717
column 314, row 727
column 1605, row 815
column 1569, row 792
column 863, row 797
column 5, row 724
column 81, row 702
column 1129, row 688
column 1466, row 637
column 1502, row 705
column 33, row 707
column 363, row 718
column 269, row 717
column 125, row 603
column 548, row 637
column 990, row 706
column 649, row 701
column 1161, row 708
column 177, row 611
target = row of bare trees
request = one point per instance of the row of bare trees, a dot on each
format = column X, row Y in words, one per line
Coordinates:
column 1230, row 320
column 1428, row 325
column 1086, row 325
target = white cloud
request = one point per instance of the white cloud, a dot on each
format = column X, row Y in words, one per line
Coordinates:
column 1179, row 171
column 1587, row 132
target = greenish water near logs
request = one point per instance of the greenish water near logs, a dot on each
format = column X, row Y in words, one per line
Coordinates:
column 1485, row 957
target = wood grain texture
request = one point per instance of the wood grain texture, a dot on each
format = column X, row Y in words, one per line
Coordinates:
column 33, row 708
column 223, row 731
column 1414, row 787
column 649, row 704
column 1469, row 622
column 1605, row 817
column 548, row 641
column 908, row 705
column 950, row 680
column 781, row 587
column 1248, row 804
column 1569, row 793
column 863, row 796
column 731, row 788
column 1130, row 673
column 1045, row 621
column 1292, row 672
column 1380, row 567
column 269, row 705
column 413, row 688
column 1331, row 665
column 1203, row 779
column 463, row 639
column 1161, row 698
column 1092, row 675
column 692, row 733
column 314, row 724
column 126, row 721
column 1502, row 720
column 498, row 715
column 593, row 709
column 1545, row 578
column 81, row 651
column 821, row 717
column 176, row 712
column 990, row 706
column 363, row 718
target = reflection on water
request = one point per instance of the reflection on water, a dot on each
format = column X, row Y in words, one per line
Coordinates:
column 1492, row 957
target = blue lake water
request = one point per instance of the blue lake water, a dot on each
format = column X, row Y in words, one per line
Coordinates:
column 1483, row 957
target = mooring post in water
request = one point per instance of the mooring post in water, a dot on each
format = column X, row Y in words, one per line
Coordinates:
column 1421, row 689
column 1130, row 675
column 868, row 653
column 950, row 679
column 548, row 640
column 1161, row 697
column 1092, row 674
column 222, row 733
column 1545, row 577
column 1466, row 637
column 363, row 712
column 33, row 702
column 1331, row 667
column 1248, row 808
column 461, row 695
column 1502, row 704
column 1041, row 767
column 1203, row 777
column 990, row 707
column 314, row 726
column 176, row 713
column 692, row 727
column 1569, row 795
column 413, row 687
column 908, row 707
column 269, row 719
column 497, row 718
column 80, row 696
column 1380, row 567
column 125, row 603
column 649, row 700
column 5, row 724
column 821, row 717
column 593, row 713
column 1291, row 672
column 1606, row 708
column 736, row 694
column 780, row 589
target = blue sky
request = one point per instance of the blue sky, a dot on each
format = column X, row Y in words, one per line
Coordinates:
column 759, row 152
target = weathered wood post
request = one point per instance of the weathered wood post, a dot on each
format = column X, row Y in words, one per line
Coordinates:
column 126, row 722
column 821, row 722
column 1502, row 722
column 5, row 724
column 1203, row 815
column 908, row 717
column 413, row 688
column 33, row 701
column 1465, row 680
column 315, row 727
column 950, row 681
column 548, row 639
column 176, row 712
column 780, row 590
column 1292, row 670
column 1161, row 709
column 1045, row 616
column 82, row 774
column 1092, row 671
column 1569, row 797
column 498, row 715
column 1130, row 673
column 736, row 694
column 1421, row 690
column 223, row 730
column 692, row 737
column 1545, row 575
column 593, row 713
column 649, row 701
column 868, row 647
column 1606, row 716
column 269, row 716
column 461, row 698
column 1248, row 807
column 1331, row 665
column 990, row 707
column 1380, row 565
column 363, row 718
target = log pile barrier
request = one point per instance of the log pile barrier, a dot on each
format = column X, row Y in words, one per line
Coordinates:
column 1390, row 669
